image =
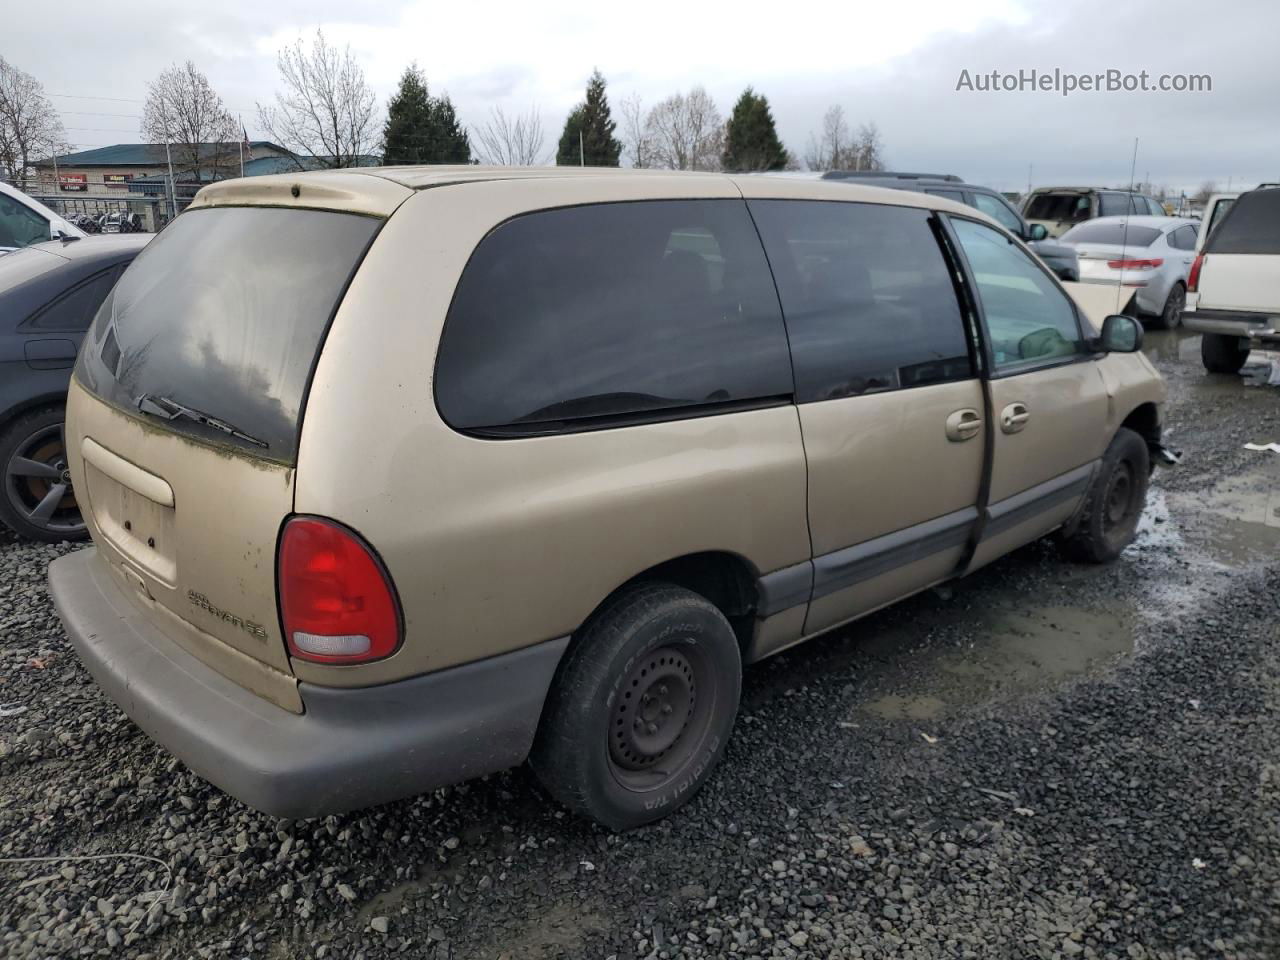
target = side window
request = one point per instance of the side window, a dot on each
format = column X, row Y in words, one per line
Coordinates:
column 868, row 297
column 74, row 310
column 1154, row 206
column 999, row 211
column 1184, row 238
column 19, row 225
column 1029, row 320
column 566, row 318
column 1115, row 205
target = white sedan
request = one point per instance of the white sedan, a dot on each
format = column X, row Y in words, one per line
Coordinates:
column 1147, row 259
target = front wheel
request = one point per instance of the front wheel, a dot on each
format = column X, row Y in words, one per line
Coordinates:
column 641, row 708
column 1222, row 353
column 1114, row 502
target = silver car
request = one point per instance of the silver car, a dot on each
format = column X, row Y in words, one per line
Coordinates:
column 1146, row 258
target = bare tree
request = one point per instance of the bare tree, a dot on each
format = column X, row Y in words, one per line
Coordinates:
column 184, row 110
column 836, row 147
column 326, row 112
column 685, row 132
column 1207, row 190
column 635, row 138
column 30, row 128
column 510, row 141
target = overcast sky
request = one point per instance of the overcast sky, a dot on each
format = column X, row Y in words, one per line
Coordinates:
column 896, row 64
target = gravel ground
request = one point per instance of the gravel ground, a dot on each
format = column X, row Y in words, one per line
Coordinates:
column 1044, row 760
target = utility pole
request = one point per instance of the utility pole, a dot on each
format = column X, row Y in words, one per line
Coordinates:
column 582, row 153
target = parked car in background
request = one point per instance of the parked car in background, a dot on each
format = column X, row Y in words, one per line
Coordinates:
column 49, row 293
column 1058, row 209
column 1146, row 258
column 24, row 221
column 688, row 420
column 1235, row 282
column 1059, row 258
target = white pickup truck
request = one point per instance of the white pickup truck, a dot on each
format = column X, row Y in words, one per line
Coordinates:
column 1233, row 290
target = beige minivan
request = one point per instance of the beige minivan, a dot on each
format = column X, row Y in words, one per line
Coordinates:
column 403, row 476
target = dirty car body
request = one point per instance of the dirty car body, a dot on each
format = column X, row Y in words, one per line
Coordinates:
column 602, row 408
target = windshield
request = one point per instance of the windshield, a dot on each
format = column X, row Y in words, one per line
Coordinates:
column 224, row 314
column 1111, row 233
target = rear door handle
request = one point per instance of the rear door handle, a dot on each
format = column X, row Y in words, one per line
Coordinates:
column 1014, row 417
column 963, row 425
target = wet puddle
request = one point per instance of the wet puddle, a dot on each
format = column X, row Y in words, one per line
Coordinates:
column 1237, row 520
column 1015, row 650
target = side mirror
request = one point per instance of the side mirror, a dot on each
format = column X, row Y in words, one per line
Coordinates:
column 1037, row 231
column 1120, row 334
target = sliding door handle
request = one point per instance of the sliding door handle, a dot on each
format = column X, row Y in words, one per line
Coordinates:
column 963, row 425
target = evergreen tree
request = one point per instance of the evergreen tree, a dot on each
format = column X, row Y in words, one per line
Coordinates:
column 597, row 146
column 751, row 140
column 421, row 128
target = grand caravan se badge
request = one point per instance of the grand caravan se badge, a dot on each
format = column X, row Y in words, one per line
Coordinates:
column 248, row 626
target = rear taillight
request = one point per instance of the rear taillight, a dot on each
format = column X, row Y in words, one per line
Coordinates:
column 1193, row 278
column 337, row 603
column 1134, row 264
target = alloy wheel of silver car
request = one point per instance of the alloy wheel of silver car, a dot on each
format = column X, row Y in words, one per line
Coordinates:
column 1173, row 307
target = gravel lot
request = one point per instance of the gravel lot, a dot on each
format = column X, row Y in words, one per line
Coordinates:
column 1045, row 760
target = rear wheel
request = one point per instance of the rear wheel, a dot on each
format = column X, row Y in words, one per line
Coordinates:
column 1222, row 353
column 38, row 501
column 1171, row 316
column 641, row 708
column 1114, row 502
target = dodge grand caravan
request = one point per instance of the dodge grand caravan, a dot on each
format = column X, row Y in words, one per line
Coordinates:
column 405, row 476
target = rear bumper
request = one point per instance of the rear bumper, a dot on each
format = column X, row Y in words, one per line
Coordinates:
column 1254, row 326
column 351, row 748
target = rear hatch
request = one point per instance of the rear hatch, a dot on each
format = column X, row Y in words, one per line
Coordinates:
column 184, row 418
column 1058, row 211
column 1240, row 269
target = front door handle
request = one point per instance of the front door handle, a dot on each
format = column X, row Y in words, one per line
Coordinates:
column 1014, row 417
column 963, row 425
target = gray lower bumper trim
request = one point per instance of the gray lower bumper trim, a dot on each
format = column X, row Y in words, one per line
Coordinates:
column 1257, row 326
column 352, row 748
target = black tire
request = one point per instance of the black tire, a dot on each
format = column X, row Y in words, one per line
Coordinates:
column 1170, row 317
column 1113, row 505
column 641, row 708
column 36, row 497
column 1222, row 353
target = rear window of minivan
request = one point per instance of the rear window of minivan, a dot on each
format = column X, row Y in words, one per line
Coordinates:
column 1066, row 207
column 222, row 315
column 572, row 318
column 1250, row 226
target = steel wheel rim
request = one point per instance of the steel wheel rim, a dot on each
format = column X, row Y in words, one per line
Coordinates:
column 38, row 486
column 1118, row 503
column 660, row 716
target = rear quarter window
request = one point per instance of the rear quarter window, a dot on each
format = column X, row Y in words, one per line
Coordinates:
column 585, row 317
column 1250, row 226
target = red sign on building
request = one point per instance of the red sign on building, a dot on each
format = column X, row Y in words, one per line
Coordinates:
column 73, row 181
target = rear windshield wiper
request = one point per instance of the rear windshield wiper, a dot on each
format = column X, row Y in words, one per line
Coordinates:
column 170, row 409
